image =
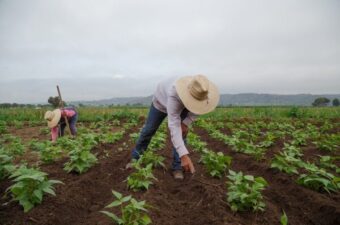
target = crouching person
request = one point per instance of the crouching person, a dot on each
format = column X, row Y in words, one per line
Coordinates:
column 56, row 121
column 181, row 100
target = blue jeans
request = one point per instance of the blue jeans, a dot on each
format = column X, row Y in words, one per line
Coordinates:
column 154, row 120
column 72, row 122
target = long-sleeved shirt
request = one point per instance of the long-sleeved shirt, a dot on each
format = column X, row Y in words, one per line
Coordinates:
column 167, row 100
column 54, row 131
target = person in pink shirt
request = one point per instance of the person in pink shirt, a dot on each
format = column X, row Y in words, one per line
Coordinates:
column 57, row 117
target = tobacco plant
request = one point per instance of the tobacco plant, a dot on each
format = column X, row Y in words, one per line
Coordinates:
column 50, row 153
column 318, row 179
column 285, row 163
column 6, row 165
column 132, row 212
column 80, row 160
column 215, row 163
column 327, row 162
column 29, row 186
column 141, row 179
column 244, row 192
column 149, row 157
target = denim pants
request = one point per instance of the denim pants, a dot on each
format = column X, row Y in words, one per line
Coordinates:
column 154, row 120
column 72, row 122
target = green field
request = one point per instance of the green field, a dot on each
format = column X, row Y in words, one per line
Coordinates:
column 253, row 165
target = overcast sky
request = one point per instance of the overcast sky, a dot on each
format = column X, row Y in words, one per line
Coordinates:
column 103, row 49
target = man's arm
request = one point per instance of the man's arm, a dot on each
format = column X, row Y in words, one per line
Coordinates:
column 174, row 109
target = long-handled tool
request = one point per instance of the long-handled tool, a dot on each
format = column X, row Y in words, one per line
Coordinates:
column 61, row 104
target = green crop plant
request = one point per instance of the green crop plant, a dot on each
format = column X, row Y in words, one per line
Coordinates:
column 215, row 163
column 141, row 179
column 326, row 127
column 44, row 131
column 50, row 153
column 285, row 163
column 125, row 115
column 29, row 186
column 268, row 140
column 13, row 146
column 88, row 141
column 318, row 179
column 67, row 143
column 289, row 160
column 149, row 157
column 284, row 219
column 134, row 137
column 38, row 146
column 299, row 138
column 195, row 142
column 6, row 165
column 3, row 127
column 80, row 160
column 292, row 150
column 157, row 141
column 244, row 192
column 132, row 212
column 18, row 124
column 33, row 123
column 328, row 142
column 113, row 137
column 327, row 162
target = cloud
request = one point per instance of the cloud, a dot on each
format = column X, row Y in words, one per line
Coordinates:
column 258, row 46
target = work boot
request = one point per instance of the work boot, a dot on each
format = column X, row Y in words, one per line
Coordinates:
column 178, row 175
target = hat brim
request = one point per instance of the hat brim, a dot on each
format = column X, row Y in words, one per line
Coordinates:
column 192, row 104
column 54, row 122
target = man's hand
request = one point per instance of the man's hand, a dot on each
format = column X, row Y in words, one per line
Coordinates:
column 185, row 130
column 187, row 164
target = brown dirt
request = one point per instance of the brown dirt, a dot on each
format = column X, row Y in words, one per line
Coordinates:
column 197, row 200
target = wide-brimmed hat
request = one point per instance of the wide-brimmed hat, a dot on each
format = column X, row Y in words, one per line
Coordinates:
column 198, row 94
column 52, row 117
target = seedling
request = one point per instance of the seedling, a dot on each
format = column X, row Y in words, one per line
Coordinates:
column 132, row 212
column 149, row 157
column 284, row 219
column 141, row 179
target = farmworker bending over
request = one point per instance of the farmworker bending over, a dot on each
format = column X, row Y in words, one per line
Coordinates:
column 181, row 100
column 57, row 117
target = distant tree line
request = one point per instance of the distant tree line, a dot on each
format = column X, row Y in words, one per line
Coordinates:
column 322, row 101
column 17, row 105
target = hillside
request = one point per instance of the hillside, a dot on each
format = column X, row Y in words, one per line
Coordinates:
column 244, row 99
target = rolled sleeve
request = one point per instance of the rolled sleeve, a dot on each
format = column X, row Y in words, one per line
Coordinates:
column 174, row 109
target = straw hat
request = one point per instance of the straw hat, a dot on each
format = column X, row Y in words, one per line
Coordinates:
column 197, row 93
column 52, row 117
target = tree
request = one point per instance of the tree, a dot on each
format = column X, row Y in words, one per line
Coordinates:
column 321, row 102
column 55, row 101
column 336, row 102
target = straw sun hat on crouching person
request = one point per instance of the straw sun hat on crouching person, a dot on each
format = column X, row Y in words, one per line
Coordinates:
column 52, row 117
column 198, row 94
